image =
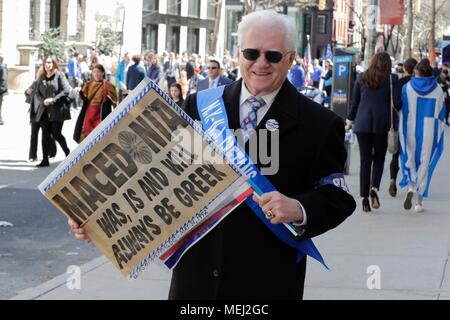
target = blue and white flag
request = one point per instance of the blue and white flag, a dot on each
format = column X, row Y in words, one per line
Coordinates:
column 329, row 53
column 421, row 132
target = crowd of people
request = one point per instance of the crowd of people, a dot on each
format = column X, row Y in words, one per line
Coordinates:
column 99, row 87
column 99, row 83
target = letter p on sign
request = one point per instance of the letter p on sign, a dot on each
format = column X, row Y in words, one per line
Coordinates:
column 342, row 69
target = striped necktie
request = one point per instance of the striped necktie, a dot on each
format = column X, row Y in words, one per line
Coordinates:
column 250, row 122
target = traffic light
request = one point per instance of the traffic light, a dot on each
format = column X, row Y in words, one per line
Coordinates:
column 322, row 5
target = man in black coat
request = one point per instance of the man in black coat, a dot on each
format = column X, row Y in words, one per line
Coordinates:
column 241, row 258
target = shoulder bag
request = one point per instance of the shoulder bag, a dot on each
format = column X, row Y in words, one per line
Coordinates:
column 392, row 134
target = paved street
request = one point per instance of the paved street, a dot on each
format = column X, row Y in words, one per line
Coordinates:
column 408, row 251
column 38, row 247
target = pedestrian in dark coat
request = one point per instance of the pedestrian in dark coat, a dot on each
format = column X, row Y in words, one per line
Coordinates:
column 35, row 125
column 371, row 116
column 52, row 91
column 135, row 74
column 241, row 258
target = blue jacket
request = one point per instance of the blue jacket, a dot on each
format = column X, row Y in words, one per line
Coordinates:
column 135, row 74
column 316, row 76
column 120, row 74
column 371, row 108
column 423, row 85
column 297, row 76
column 74, row 68
column 155, row 73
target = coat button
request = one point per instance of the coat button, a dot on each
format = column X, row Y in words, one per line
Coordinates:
column 216, row 273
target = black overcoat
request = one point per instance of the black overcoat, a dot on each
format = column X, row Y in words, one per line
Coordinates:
column 241, row 258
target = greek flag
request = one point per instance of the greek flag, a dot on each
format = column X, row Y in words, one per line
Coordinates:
column 421, row 132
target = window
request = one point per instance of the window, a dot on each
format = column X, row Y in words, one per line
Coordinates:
column 173, row 39
column 174, row 7
column 307, row 26
column 194, row 8
column 193, row 40
column 211, row 9
column 151, row 5
column 150, row 37
column 322, row 23
column 55, row 14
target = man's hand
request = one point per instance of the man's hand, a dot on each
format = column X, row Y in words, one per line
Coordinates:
column 284, row 209
column 79, row 233
column 48, row 102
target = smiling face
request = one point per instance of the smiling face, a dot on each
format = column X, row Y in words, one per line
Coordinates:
column 97, row 74
column 261, row 76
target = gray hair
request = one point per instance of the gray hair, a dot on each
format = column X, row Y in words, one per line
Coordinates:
column 271, row 19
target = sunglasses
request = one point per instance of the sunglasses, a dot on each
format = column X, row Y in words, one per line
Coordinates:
column 212, row 68
column 272, row 56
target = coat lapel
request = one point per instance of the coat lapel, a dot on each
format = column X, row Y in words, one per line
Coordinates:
column 284, row 109
column 231, row 99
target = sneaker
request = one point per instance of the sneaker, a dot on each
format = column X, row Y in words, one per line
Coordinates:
column 408, row 200
column 419, row 208
column 393, row 188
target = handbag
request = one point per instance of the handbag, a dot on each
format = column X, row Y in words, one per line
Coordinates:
column 392, row 134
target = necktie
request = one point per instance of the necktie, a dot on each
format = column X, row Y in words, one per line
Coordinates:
column 211, row 83
column 250, row 122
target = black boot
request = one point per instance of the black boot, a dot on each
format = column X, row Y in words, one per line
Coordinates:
column 66, row 151
column 44, row 163
column 366, row 205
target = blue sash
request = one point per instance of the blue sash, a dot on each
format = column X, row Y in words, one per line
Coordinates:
column 211, row 109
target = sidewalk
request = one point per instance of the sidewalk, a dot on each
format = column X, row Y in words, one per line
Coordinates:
column 410, row 250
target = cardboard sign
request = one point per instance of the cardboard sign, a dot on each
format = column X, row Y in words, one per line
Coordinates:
column 132, row 185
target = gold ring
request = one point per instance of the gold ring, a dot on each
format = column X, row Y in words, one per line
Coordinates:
column 270, row 215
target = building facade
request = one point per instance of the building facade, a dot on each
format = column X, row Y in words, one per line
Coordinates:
column 22, row 23
column 182, row 25
column 312, row 21
column 342, row 16
column 317, row 23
